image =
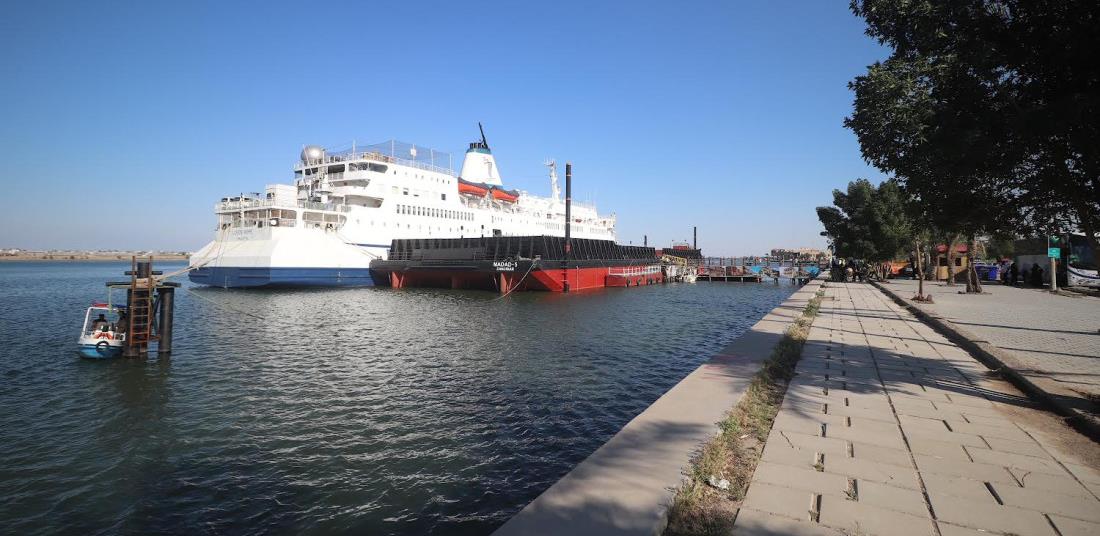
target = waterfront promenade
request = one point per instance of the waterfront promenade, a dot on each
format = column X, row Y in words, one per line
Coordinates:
column 1050, row 340
column 889, row 428
column 625, row 487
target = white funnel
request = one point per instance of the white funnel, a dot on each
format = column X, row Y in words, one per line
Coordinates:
column 479, row 165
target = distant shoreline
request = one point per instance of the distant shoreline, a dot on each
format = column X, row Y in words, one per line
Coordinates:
column 85, row 257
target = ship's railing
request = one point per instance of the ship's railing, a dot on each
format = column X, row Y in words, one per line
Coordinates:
column 246, row 204
column 633, row 270
column 394, row 152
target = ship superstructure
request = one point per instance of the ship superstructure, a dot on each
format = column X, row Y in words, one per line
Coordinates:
column 345, row 208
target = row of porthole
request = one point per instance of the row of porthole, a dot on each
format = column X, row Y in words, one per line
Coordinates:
column 433, row 212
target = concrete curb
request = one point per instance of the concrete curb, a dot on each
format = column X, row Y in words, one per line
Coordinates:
column 626, row 486
column 1001, row 364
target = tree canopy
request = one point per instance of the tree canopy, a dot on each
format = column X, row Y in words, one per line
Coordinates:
column 867, row 222
column 987, row 111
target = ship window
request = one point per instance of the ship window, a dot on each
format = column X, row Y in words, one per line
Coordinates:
column 378, row 167
column 404, row 191
column 298, row 174
column 443, row 196
column 338, row 168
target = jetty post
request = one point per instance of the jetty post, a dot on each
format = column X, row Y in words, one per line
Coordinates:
column 568, row 219
column 694, row 237
column 150, row 307
column 166, row 298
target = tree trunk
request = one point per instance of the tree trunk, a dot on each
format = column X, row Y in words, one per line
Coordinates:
column 973, row 284
column 918, row 259
column 952, row 244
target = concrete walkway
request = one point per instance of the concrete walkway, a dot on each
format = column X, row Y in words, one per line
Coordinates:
column 890, row 429
column 1052, row 341
column 625, row 487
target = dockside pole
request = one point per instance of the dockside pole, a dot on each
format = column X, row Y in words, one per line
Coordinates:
column 695, row 237
column 568, row 221
column 167, row 297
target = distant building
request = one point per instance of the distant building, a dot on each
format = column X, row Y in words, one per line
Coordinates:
column 800, row 254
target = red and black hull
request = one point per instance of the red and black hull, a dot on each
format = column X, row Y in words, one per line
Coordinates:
column 506, row 264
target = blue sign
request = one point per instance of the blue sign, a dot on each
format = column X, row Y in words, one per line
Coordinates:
column 1054, row 253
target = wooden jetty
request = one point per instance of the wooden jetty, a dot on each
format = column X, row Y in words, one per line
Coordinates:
column 741, row 278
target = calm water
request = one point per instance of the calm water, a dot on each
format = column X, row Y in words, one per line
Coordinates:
column 370, row 410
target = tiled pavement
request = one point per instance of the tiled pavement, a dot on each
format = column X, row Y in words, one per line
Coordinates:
column 1046, row 335
column 888, row 428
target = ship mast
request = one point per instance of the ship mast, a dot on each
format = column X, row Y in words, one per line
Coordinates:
column 555, row 190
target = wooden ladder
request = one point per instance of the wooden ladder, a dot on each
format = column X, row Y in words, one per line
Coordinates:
column 140, row 309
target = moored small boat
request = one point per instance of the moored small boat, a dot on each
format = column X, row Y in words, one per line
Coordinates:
column 102, row 337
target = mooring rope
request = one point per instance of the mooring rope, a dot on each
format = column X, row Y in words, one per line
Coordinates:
column 514, row 287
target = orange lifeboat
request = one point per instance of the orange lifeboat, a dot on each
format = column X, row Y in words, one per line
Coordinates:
column 508, row 196
column 471, row 188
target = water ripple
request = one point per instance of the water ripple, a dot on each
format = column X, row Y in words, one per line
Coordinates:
column 368, row 411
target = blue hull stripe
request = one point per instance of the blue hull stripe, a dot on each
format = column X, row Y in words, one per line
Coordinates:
column 91, row 352
column 234, row 277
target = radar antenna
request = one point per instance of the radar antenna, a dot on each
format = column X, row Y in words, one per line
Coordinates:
column 484, row 142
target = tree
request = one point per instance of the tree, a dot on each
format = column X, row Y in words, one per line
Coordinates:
column 867, row 222
column 987, row 111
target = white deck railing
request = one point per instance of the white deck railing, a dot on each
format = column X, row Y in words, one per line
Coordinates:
column 631, row 271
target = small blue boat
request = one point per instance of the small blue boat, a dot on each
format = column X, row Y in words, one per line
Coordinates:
column 104, row 332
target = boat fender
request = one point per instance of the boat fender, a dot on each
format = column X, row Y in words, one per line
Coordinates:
column 102, row 347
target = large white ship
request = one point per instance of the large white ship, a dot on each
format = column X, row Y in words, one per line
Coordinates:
column 345, row 207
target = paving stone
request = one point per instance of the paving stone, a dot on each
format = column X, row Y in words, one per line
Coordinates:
column 1083, row 473
column 879, row 414
column 961, row 487
column 910, row 501
column 940, row 449
column 779, row 500
column 975, row 471
column 1062, row 484
column 829, row 445
column 757, row 523
column 875, row 453
column 1019, row 461
column 1050, row 503
column 864, row 470
column 801, row 478
column 1003, row 432
column 785, row 455
column 986, row 516
column 971, row 441
column 1075, row 527
column 1025, row 448
column 947, row 529
column 858, row 518
column 890, row 439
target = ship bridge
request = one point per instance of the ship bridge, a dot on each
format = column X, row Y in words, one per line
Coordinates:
column 318, row 161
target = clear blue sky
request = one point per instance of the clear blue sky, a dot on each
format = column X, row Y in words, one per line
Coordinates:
column 726, row 115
